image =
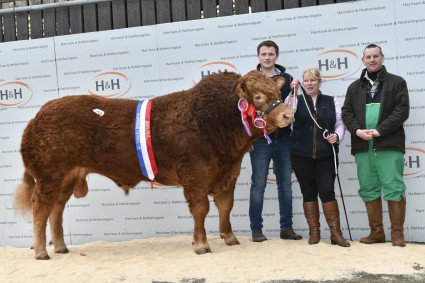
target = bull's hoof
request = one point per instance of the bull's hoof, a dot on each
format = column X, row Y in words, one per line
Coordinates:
column 230, row 241
column 62, row 251
column 43, row 256
column 202, row 251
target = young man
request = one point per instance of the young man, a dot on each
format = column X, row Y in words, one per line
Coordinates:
column 375, row 108
column 278, row 151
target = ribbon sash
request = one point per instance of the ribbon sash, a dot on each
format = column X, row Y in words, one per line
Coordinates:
column 142, row 134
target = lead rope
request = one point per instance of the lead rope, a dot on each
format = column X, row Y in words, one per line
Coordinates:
column 325, row 135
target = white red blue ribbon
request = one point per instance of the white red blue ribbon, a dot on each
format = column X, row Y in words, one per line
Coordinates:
column 259, row 122
column 142, row 132
column 243, row 107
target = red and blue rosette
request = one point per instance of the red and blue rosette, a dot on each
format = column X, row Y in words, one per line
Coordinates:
column 261, row 123
column 243, row 106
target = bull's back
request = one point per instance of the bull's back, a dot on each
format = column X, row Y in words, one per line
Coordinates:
column 80, row 131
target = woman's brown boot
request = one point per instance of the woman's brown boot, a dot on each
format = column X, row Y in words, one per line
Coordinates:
column 311, row 212
column 331, row 212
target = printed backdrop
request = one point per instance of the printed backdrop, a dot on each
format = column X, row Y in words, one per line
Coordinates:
column 144, row 62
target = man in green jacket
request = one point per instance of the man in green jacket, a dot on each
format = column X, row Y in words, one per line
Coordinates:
column 375, row 108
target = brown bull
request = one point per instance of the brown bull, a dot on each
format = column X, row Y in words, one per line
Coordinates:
column 198, row 142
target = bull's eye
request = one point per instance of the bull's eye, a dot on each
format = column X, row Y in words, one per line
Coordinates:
column 257, row 97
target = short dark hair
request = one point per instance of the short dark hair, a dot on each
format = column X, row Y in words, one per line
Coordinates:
column 268, row 43
column 373, row 46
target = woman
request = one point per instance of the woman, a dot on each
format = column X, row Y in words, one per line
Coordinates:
column 317, row 131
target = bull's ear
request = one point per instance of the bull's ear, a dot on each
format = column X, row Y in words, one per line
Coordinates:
column 241, row 88
column 280, row 81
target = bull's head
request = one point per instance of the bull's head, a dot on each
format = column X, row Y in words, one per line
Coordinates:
column 264, row 94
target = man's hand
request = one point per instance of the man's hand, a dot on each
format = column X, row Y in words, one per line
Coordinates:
column 365, row 134
column 375, row 133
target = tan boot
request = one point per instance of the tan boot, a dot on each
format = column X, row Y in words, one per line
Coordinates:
column 374, row 214
column 311, row 212
column 331, row 212
column 397, row 211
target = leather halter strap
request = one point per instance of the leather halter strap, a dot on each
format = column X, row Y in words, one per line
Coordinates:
column 270, row 108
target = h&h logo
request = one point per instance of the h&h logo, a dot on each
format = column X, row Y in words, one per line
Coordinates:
column 338, row 63
column 412, row 161
column 110, row 84
column 214, row 68
column 14, row 94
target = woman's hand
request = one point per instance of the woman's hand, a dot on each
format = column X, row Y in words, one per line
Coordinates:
column 295, row 84
column 332, row 138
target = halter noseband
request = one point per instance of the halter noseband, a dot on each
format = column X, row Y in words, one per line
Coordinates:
column 270, row 108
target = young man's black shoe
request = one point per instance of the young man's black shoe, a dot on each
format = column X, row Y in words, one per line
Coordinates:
column 290, row 235
column 258, row 237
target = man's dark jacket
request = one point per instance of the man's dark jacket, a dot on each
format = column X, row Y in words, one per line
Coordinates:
column 394, row 111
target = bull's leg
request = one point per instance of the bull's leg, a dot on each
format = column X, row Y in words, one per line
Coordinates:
column 224, row 203
column 43, row 199
column 56, row 215
column 56, row 229
column 199, row 210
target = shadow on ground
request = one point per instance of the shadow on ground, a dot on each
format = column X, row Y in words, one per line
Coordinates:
column 356, row 278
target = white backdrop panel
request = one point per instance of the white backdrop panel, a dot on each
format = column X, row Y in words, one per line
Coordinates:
column 144, row 62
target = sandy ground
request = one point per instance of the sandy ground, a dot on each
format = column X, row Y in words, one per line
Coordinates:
column 173, row 260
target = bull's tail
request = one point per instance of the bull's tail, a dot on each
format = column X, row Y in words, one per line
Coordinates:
column 22, row 200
